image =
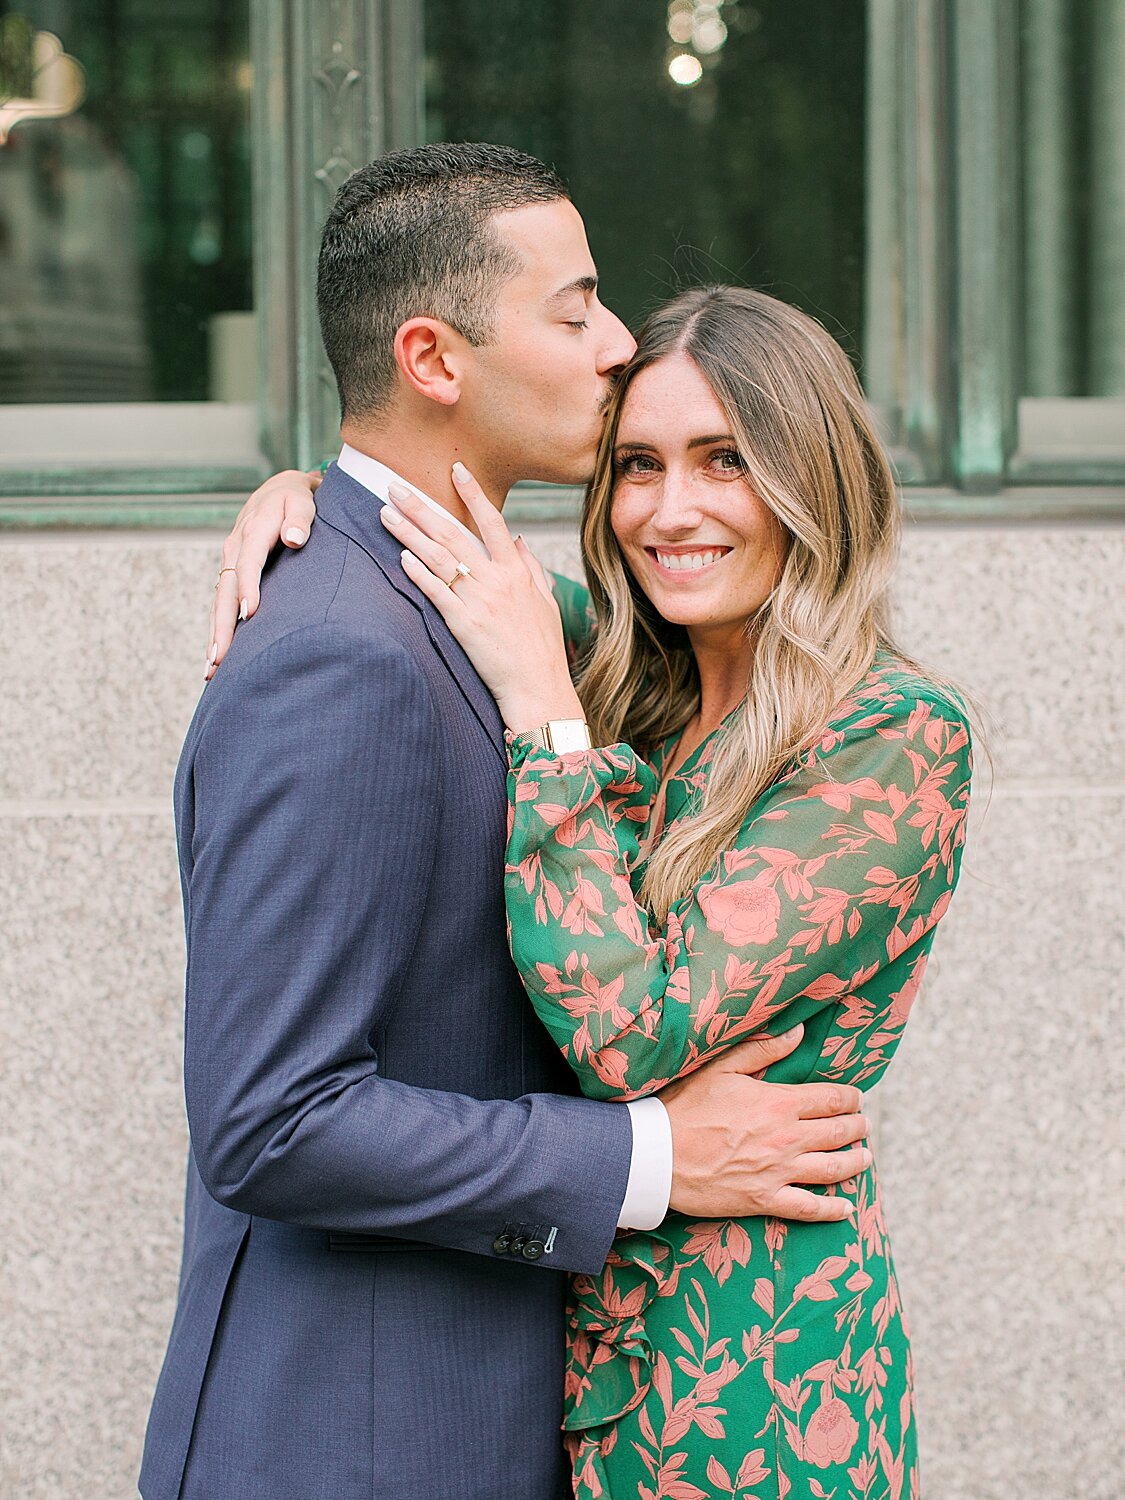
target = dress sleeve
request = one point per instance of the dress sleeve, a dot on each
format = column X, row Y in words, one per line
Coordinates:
column 840, row 869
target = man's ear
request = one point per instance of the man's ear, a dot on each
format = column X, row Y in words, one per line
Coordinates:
column 429, row 354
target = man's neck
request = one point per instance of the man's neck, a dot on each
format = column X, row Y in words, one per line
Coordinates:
column 425, row 463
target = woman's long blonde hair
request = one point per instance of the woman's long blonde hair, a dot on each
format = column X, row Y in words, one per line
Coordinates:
column 801, row 425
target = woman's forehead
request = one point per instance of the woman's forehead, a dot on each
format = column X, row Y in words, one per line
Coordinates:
column 671, row 396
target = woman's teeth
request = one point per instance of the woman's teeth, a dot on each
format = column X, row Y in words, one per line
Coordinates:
column 683, row 561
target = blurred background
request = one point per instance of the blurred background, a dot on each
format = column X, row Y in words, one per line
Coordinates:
column 942, row 184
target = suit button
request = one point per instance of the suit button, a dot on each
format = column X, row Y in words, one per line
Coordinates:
column 502, row 1244
column 533, row 1250
column 518, row 1243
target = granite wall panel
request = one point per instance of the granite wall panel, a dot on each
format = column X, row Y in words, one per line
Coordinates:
column 999, row 1138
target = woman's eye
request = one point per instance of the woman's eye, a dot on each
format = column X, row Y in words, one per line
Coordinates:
column 729, row 460
column 582, row 324
column 634, row 464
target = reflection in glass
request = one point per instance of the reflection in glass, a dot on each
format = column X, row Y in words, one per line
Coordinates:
column 125, row 226
column 702, row 141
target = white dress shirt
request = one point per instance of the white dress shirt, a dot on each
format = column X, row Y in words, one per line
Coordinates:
column 650, row 1167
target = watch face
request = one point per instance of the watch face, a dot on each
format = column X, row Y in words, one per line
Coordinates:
column 565, row 735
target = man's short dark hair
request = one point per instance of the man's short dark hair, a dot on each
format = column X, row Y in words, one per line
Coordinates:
column 410, row 236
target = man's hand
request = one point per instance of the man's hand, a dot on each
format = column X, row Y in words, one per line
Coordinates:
column 739, row 1145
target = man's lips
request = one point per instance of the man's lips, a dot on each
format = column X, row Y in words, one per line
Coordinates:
column 694, row 559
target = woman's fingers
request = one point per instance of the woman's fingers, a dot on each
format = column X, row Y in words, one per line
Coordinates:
column 224, row 617
column 280, row 510
column 436, row 591
column 438, row 558
column 490, row 523
column 299, row 514
column 252, row 557
column 420, row 523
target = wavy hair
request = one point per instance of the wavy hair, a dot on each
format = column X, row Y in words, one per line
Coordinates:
column 802, row 428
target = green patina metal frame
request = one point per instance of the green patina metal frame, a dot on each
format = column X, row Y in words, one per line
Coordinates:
column 339, row 81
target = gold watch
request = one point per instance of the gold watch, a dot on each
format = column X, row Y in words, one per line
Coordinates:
column 561, row 736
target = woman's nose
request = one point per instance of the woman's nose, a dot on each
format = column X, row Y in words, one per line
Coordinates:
column 676, row 507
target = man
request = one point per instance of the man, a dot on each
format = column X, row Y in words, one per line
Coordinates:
column 389, row 1170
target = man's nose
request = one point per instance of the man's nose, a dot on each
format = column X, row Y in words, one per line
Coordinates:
column 617, row 345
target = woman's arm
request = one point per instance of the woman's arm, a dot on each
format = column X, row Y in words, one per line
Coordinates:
column 829, row 881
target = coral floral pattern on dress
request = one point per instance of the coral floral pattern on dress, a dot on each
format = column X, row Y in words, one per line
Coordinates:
column 752, row 1358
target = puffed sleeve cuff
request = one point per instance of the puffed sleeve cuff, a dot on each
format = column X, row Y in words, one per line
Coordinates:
column 614, row 768
column 548, row 792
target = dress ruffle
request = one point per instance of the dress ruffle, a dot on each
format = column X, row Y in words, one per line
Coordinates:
column 608, row 1330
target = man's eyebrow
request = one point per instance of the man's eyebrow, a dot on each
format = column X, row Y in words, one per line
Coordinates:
column 583, row 284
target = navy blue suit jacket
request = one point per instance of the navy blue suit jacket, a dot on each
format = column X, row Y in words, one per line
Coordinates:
column 370, row 1097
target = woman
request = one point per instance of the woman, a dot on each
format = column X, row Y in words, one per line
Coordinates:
column 768, row 832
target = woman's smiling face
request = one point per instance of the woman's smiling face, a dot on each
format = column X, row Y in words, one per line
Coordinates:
column 706, row 550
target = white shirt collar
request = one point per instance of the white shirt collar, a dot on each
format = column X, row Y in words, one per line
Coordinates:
column 377, row 478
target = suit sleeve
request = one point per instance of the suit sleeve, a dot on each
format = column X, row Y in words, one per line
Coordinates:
column 312, row 799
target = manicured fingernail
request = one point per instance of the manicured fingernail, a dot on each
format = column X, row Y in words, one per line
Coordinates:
column 296, row 536
column 399, row 491
column 460, row 473
column 794, row 1031
column 243, row 609
column 389, row 517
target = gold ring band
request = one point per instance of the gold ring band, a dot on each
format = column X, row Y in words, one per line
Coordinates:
column 462, row 570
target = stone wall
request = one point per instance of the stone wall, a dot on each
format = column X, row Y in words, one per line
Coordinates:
column 999, row 1124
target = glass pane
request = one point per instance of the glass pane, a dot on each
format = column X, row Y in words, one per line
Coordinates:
column 701, row 141
column 1073, row 178
column 125, row 222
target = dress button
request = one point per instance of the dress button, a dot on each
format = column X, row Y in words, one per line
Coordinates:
column 533, row 1250
column 502, row 1244
column 518, row 1243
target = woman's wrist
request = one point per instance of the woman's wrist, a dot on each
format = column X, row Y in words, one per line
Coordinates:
column 531, row 712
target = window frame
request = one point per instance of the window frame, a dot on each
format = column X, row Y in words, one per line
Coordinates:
column 337, row 82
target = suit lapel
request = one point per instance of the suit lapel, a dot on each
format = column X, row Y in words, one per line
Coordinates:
column 349, row 507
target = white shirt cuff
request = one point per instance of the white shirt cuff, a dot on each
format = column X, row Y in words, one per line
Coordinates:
column 650, row 1169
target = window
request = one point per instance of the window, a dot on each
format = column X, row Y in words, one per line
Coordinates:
column 939, row 184
column 701, row 141
column 127, row 337
column 1072, row 290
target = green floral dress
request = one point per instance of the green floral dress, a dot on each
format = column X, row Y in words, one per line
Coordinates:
column 752, row 1357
